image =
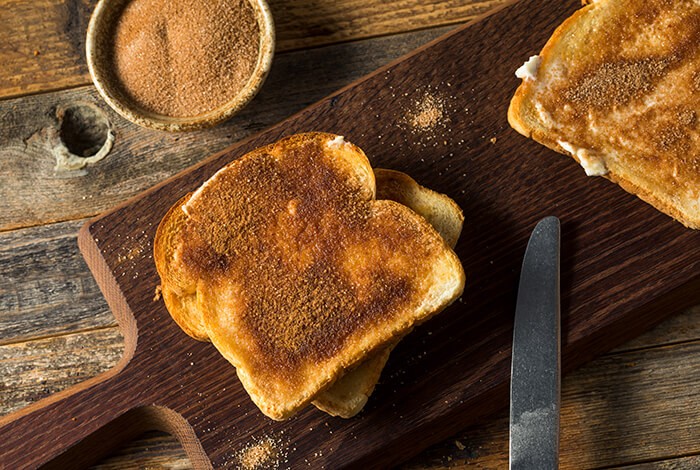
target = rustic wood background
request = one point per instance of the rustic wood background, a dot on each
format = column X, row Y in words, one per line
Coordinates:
column 637, row 407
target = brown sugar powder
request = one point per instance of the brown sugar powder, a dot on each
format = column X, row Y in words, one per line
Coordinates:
column 427, row 113
column 263, row 453
column 185, row 57
column 616, row 83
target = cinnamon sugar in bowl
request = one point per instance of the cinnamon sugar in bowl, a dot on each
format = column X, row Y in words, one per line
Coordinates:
column 179, row 65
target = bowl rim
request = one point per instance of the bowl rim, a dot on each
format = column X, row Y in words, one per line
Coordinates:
column 144, row 118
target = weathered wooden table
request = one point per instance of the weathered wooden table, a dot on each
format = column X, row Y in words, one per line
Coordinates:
column 636, row 407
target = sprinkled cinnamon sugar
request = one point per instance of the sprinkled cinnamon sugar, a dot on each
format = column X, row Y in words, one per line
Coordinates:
column 304, row 279
column 687, row 117
column 616, row 83
column 673, row 136
column 185, row 57
column 263, row 453
column 631, row 95
column 427, row 113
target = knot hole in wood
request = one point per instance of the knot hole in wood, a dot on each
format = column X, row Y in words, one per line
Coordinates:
column 84, row 136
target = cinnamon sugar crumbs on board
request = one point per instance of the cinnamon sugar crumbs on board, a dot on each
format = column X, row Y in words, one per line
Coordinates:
column 158, row 292
column 264, row 453
column 428, row 113
column 427, row 117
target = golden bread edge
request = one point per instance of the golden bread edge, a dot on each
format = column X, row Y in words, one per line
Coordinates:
column 175, row 302
column 399, row 187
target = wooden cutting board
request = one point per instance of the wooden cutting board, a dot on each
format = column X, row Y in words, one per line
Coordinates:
column 625, row 267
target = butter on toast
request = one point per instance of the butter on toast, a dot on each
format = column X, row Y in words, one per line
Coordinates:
column 301, row 274
column 617, row 87
column 349, row 394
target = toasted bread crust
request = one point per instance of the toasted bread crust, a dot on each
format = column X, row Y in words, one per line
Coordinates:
column 438, row 209
column 618, row 88
column 349, row 394
column 177, row 289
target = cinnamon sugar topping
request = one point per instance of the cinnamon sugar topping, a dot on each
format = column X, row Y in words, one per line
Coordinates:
column 185, row 57
column 306, row 279
column 616, row 83
column 264, row 453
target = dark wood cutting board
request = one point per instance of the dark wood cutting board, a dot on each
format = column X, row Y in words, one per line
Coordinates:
column 625, row 267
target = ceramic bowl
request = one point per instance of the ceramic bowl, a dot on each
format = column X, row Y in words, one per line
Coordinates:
column 99, row 49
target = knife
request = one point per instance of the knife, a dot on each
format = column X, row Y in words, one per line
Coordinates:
column 535, row 369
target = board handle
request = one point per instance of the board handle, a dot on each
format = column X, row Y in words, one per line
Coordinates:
column 43, row 431
column 75, row 428
column 99, row 413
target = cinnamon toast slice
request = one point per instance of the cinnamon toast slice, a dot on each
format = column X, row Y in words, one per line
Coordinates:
column 617, row 87
column 348, row 395
column 301, row 274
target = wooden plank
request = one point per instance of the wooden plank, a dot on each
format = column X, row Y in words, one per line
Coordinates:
column 677, row 329
column 691, row 462
column 32, row 370
column 591, row 437
column 621, row 409
column 307, row 23
column 590, row 396
column 42, row 43
column 652, row 391
column 35, row 193
column 45, row 286
column 153, row 450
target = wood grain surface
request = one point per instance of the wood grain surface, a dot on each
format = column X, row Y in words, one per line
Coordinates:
column 435, row 382
column 610, row 394
column 42, row 42
column 139, row 159
column 35, row 369
column 56, row 330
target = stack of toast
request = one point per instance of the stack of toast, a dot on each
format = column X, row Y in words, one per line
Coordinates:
column 617, row 87
column 304, row 267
